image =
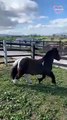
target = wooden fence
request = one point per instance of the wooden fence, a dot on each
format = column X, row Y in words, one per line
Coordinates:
column 35, row 48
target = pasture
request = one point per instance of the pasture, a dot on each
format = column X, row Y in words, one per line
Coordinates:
column 43, row 101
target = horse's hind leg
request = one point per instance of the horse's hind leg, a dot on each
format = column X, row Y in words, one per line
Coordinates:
column 40, row 79
column 19, row 74
column 53, row 77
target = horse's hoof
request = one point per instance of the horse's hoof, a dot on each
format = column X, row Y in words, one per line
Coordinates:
column 14, row 81
column 55, row 84
column 29, row 82
column 39, row 80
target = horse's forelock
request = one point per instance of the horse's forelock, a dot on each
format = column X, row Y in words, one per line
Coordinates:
column 56, row 54
column 55, row 51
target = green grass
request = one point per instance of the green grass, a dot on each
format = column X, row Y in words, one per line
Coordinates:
column 33, row 102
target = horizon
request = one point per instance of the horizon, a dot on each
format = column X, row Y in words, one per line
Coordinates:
column 29, row 17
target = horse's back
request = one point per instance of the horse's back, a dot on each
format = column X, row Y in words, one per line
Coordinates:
column 34, row 66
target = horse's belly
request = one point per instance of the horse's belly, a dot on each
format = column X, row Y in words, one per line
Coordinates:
column 34, row 70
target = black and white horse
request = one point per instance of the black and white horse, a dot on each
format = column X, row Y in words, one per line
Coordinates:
column 31, row 66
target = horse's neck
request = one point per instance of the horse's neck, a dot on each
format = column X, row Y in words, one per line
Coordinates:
column 48, row 58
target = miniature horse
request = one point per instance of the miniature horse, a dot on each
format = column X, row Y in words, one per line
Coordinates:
column 31, row 66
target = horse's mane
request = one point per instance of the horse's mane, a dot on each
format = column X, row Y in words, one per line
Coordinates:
column 47, row 55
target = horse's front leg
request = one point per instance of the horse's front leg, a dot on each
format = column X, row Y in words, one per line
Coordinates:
column 53, row 77
column 40, row 79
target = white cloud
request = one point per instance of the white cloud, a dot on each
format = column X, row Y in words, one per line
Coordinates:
column 25, row 12
column 42, row 17
column 54, row 26
column 20, row 5
column 59, row 22
column 13, row 12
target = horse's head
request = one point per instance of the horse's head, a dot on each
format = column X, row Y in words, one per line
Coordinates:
column 56, row 54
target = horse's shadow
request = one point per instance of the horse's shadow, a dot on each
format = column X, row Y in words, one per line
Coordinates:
column 49, row 89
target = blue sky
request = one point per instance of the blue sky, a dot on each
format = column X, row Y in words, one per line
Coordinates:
column 46, row 8
column 44, row 17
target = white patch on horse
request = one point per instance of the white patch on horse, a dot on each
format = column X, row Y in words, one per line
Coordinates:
column 19, row 60
column 27, row 77
column 14, row 64
column 43, row 63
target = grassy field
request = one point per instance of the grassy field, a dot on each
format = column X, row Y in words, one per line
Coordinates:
column 33, row 102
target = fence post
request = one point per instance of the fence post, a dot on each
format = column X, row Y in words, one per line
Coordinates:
column 10, row 44
column 20, row 44
column 43, row 45
column 33, row 51
column 61, row 47
column 5, row 52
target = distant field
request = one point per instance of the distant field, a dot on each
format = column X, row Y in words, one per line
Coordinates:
column 33, row 102
column 44, row 38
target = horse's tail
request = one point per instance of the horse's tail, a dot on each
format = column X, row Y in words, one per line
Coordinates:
column 14, row 70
